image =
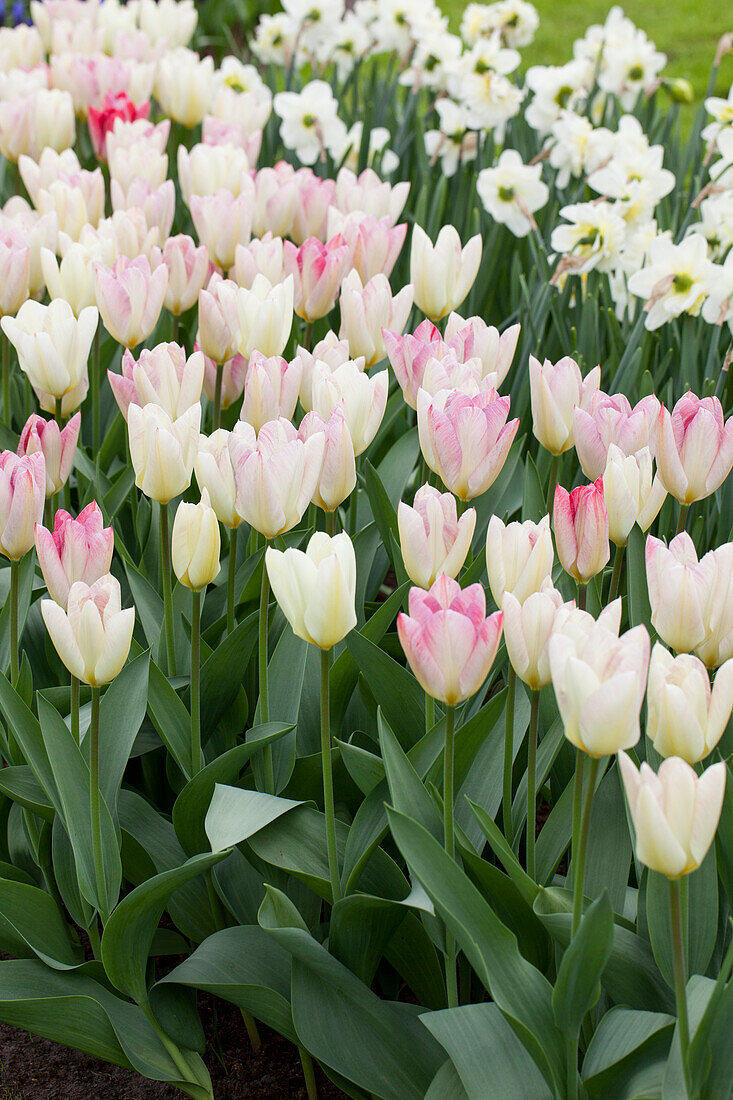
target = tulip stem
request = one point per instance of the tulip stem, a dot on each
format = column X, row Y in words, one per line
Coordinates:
column 217, row 395
column 511, row 689
column 6, row 381
column 582, row 593
column 327, row 763
column 196, row 758
column 308, row 335
column 532, row 781
column 96, row 383
column 682, row 518
column 678, row 958
column 554, row 469
column 308, row 1073
column 94, row 800
column 75, row 708
column 429, row 712
column 451, row 978
column 263, row 676
column 58, row 414
column 230, row 578
column 14, row 639
column 618, row 565
column 174, row 328
column 165, row 569
column 577, row 811
column 582, row 838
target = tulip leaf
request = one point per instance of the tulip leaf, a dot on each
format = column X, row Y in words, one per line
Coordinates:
column 20, row 784
column 235, row 814
column 446, row 1085
column 28, row 733
column 407, row 791
column 384, row 512
column 31, row 924
column 395, row 689
column 702, row 917
column 578, row 983
column 623, row 1038
column 170, row 718
column 26, row 572
column 219, row 683
column 638, row 595
column 286, row 678
column 148, row 606
column 121, row 714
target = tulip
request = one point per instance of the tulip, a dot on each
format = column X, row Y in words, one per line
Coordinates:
column 76, row 550
column 373, row 242
column 22, row 495
column 162, row 376
column 214, row 169
column 71, row 277
column 196, row 544
column 337, row 479
column 270, row 390
column 684, row 716
column 130, row 296
column 57, row 445
column 140, row 165
column 232, row 374
column 717, row 646
column 114, row 106
column 265, row 317
column 53, row 349
column 610, row 420
column 448, row 641
column 76, row 201
column 442, row 274
column 262, row 256
column 188, row 272
column 528, row 627
column 215, row 475
column 184, row 86
column 681, row 591
column 519, row 557
column 473, row 338
column 93, row 635
column 219, row 333
column 156, row 204
column 630, row 493
column 369, row 194
column 223, row 222
column 15, row 269
column 329, row 352
column 162, row 449
column 313, row 200
column 35, row 232
column 433, row 539
column 409, row 354
column 465, row 440
column 317, row 270
column 316, row 589
column 452, row 373
column 366, row 310
column 363, row 399
column 555, row 391
column 276, row 195
column 694, row 448
column 581, row 530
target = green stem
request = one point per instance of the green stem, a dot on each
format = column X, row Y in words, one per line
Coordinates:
column 308, row 1073
column 429, row 712
column 217, row 395
column 7, row 412
column 579, row 852
column 308, row 336
column 252, row 1030
column 263, row 675
column 196, row 757
column 451, row 978
column 552, row 483
column 582, row 593
column 173, row 1050
column 230, row 578
column 511, row 688
column 331, row 523
column 572, row 1069
column 94, row 798
column 96, row 383
column 58, row 414
column 14, row 639
column 94, row 939
column 682, row 518
column 577, row 807
column 532, row 781
column 174, row 328
column 618, row 565
column 678, row 958
column 165, row 569
column 75, row 708
column 327, row 764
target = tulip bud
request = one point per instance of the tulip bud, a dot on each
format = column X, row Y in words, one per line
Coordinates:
column 76, row 550
column 611, row 420
column 442, row 274
column 215, row 476
column 581, row 530
column 188, row 272
column 92, row 637
column 161, row 376
column 528, row 627
column 57, row 445
column 71, row 277
column 196, row 544
column 162, row 449
column 330, row 352
column 53, row 348
column 270, row 390
column 675, row 813
column 317, row 270
column 694, row 447
column 433, row 539
column 22, row 494
column 265, row 317
column 338, row 473
column 15, row 268
column 366, row 310
column 368, row 193
column 474, row 339
column 219, row 334
column 519, row 557
column 629, row 492
column 130, row 297
column 681, row 591
column 207, row 169
column 449, row 643
column 374, row 243
column 362, row 397
column 717, row 646
column 184, row 86
column 465, row 440
column 409, row 354
column 115, row 105
column 223, row 222
column 684, row 717
column 599, row 681
column 316, row 590
column 262, row 256
column 555, row 390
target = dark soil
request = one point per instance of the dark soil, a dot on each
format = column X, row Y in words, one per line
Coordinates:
column 32, row 1068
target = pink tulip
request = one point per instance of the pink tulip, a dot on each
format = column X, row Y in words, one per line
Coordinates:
column 276, row 195
column 158, row 204
column 219, row 331
column 682, row 591
column 338, row 473
column 448, row 641
column 310, row 213
column 271, row 389
column 452, row 373
column 317, row 271
column 77, row 550
column 611, row 419
column 15, row 269
column 329, row 352
column 369, row 310
column 581, row 530
column 374, row 243
column 409, row 354
column 102, row 120
column 222, row 222
column 22, row 495
column 217, row 131
column 369, row 194
column 262, row 256
column 555, row 391
column 474, row 339
column 130, row 297
column 188, row 272
column 433, row 539
column 57, row 445
column 694, row 447
column 465, row 440
column 233, row 373
column 161, row 376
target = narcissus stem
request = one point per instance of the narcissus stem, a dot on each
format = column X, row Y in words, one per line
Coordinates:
column 582, row 840
column 511, row 688
column 165, row 569
column 531, row 780
column 327, row 764
column 451, row 977
column 678, row 959
column 196, row 758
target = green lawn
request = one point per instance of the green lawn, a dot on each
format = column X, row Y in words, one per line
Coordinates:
column 687, row 31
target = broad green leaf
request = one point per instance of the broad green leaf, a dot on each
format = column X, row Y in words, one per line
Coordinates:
column 578, row 983
column 701, row 887
column 223, row 672
column 395, row 689
column 622, row 1034
column 235, row 814
column 27, row 731
column 121, row 714
column 407, row 791
column 20, row 784
column 170, row 718
column 31, row 924
column 446, row 1085
column 26, row 570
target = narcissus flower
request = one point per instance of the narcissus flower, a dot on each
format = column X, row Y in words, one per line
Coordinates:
column 316, row 589
column 92, row 636
column 76, row 550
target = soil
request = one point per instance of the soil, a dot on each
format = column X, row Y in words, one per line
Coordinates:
column 32, row 1068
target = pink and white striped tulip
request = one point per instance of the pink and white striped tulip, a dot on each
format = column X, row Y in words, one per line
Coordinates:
column 474, row 339
column 316, row 588
column 338, row 473
column 363, row 398
column 369, row 194
column 433, row 540
column 694, row 447
column 53, row 349
column 58, row 446
column 215, row 475
column 219, row 334
column 609, row 419
column 271, row 389
column 76, row 550
column 276, row 473
column 465, row 440
column 330, row 352
column 681, row 591
column 519, row 557
column 222, row 222
column 675, row 813
column 718, row 644
column 75, row 201
column 15, row 270
column 34, row 231
column 262, row 256
column 22, row 496
column 374, row 243
column 449, row 642
column 93, row 635
column 233, row 373
column 265, row 316
column 409, row 355
column 204, row 169
column 684, row 716
column 195, row 544
column 313, row 200
column 218, row 131
column 317, row 271
column 276, row 195
column 442, row 274
column 556, row 389
column 528, row 627
column 162, row 449
column 452, row 373
column 599, row 681
column 161, row 376
column 130, row 296
column 580, row 520
column 367, row 310
column 632, row 494
column 188, row 272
